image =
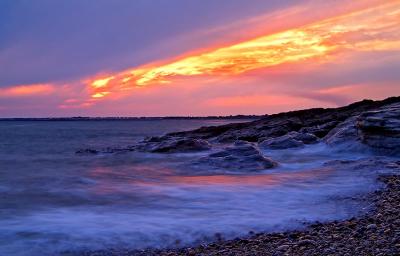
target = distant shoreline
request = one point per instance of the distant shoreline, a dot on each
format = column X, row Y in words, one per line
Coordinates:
column 235, row 117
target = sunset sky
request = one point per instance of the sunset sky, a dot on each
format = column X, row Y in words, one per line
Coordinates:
column 179, row 57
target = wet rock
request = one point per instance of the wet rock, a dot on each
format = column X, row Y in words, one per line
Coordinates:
column 154, row 139
column 290, row 140
column 380, row 129
column 240, row 156
column 282, row 142
column 87, row 151
column 306, row 138
column 175, row 145
column 344, row 133
column 320, row 130
column 283, row 247
column 306, row 242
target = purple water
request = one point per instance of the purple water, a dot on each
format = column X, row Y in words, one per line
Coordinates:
column 52, row 200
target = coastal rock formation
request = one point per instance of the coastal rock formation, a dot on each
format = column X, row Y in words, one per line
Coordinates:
column 318, row 122
column 362, row 125
column 378, row 129
column 240, row 156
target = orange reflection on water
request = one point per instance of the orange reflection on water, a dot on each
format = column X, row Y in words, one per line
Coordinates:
column 157, row 181
column 245, row 180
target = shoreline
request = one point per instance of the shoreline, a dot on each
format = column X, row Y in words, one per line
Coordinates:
column 376, row 232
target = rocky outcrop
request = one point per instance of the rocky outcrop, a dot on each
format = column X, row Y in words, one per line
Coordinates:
column 380, row 129
column 286, row 130
column 238, row 157
column 367, row 123
column 318, row 122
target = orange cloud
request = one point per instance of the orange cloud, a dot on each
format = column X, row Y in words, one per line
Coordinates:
column 27, row 90
column 67, row 105
column 259, row 101
column 363, row 91
column 371, row 29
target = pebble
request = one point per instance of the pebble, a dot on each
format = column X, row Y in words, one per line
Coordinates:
column 283, row 247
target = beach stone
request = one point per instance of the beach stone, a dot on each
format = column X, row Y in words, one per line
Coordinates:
column 306, row 242
column 283, row 247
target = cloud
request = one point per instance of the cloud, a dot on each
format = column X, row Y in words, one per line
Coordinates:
column 254, row 62
column 27, row 90
column 59, row 42
column 361, row 30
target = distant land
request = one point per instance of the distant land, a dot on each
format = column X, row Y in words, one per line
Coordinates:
column 84, row 118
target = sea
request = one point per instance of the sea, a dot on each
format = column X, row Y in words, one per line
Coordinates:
column 56, row 202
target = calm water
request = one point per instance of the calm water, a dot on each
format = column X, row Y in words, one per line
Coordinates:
column 52, row 200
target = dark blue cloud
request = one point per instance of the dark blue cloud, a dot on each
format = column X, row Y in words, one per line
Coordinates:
column 46, row 40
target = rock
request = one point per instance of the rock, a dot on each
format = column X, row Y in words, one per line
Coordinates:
column 306, row 138
column 366, row 124
column 154, row 139
column 238, row 157
column 380, row 129
column 87, row 151
column 174, row 145
column 282, row 142
column 345, row 132
column 282, row 247
column 320, row 130
column 393, row 165
column 318, row 122
column 372, row 227
column 306, row 242
column 290, row 140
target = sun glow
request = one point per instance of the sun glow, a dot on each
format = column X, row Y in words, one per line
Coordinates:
column 101, row 82
column 372, row 29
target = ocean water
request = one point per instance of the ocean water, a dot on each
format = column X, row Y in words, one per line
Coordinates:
column 53, row 201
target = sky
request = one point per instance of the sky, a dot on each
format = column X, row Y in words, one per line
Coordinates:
column 194, row 58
